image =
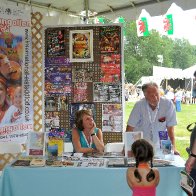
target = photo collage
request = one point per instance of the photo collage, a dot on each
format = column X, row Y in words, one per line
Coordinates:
column 83, row 71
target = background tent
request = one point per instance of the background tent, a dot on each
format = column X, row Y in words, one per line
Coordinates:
column 175, row 77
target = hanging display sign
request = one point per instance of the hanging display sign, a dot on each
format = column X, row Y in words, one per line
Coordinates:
column 16, row 98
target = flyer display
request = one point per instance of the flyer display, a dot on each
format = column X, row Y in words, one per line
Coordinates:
column 83, row 70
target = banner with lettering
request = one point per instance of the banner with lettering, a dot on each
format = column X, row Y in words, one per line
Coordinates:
column 16, row 97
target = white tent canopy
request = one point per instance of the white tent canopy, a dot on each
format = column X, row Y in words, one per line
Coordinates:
column 58, row 12
column 173, row 73
column 188, row 73
column 162, row 73
column 167, row 73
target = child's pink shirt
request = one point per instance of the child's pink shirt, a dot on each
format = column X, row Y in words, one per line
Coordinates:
column 144, row 191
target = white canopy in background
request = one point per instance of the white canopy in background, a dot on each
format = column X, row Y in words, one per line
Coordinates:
column 188, row 73
column 162, row 73
column 173, row 73
column 167, row 73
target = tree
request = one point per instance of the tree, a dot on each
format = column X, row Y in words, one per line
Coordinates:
column 140, row 53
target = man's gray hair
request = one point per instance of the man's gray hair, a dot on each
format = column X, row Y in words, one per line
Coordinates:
column 146, row 85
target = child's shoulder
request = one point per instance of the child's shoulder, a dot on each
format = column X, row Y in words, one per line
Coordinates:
column 155, row 169
column 131, row 169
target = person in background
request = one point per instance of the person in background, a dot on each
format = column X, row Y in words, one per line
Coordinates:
column 178, row 99
column 14, row 113
column 170, row 94
column 143, row 178
column 188, row 97
column 153, row 115
column 86, row 137
column 4, row 103
column 194, row 89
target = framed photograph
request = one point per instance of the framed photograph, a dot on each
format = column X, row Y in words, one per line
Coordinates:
column 81, row 46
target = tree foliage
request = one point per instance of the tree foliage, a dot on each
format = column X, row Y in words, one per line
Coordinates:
column 140, row 53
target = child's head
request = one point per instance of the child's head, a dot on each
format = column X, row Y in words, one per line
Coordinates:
column 17, row 97
column 142, row 151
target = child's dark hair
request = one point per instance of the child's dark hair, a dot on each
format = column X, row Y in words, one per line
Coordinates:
column 143, row 152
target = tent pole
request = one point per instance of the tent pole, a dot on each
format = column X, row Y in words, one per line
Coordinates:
column 86, row 7
column 191, row 89
column 166, row 83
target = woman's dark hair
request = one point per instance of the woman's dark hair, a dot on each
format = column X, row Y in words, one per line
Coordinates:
column 78, row 118
column 143, row 152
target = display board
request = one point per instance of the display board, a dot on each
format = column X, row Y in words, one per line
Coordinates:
column 83, row 70
column 16, row 100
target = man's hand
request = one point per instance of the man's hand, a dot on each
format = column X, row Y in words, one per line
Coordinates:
column 176, row 152
column 189, row 164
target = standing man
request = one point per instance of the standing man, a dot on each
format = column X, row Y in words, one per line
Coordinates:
column 153, row 115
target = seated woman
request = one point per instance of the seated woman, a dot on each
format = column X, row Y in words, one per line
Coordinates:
column 86, row 137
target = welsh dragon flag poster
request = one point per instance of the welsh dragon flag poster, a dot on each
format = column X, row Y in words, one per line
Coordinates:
column 168, row 25
column 142, row 27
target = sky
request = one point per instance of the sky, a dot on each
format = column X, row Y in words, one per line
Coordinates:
column 184, row 23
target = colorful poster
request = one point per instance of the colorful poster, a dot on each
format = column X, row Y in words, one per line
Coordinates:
column 81, row 92
column 106, row 92
column 55, row 42
column 82, row 75
column 112, row 117
column 16, row 113
column 110, row 39
column 58, row 76
column 110, row 68
column 51, row 120
column 81, row 45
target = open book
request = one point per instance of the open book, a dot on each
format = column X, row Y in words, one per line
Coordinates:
column 129, row 138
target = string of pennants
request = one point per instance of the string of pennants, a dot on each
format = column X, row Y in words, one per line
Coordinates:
column 167, row 25
column 143, row 24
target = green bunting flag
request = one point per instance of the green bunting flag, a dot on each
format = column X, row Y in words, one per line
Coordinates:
column 142, row 27
column 101, row 20
column 168, row 25
column 122, row 21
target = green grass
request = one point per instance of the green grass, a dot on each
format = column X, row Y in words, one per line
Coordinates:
column 185, row 117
